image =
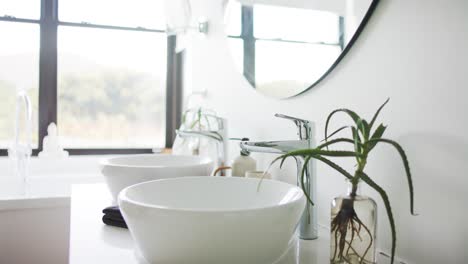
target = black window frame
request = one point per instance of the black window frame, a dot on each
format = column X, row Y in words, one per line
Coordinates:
column 249, row 40
column 47, row 113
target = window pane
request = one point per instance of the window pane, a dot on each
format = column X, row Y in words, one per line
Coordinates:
column 233, row 18
column 130, row 13
column 308, row 62
column 21, row 8
column 19, row 68
column 111, row 87
column 295, row 24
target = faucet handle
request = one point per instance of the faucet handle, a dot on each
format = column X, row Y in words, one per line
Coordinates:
column 294, row 119
column 302, row 125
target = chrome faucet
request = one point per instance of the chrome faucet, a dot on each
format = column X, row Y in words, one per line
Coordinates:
column 219, row 136
column 308, row 224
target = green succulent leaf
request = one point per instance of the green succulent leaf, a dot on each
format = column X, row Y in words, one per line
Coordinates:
column 304, row 168
column 377, row 113
column 322, row 152
column 184, row 117
column 388, row 208
column 313, row 153
column 379, row 132
column 357, row 140
column 335, row 132
column 303, row 173
column 194, row 123
column 306, row 162
column 334, row 141
column 352, row 114
column 363, row 127
column 282, row 158
column 406, row 165
column 322, row 159
column 377, row 135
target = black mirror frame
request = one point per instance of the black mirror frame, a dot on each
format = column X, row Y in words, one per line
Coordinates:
column 356, row 35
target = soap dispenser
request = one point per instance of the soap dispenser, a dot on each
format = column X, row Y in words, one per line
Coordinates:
column 243, row 163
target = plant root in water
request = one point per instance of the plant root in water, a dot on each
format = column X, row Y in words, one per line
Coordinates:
column 348, row 221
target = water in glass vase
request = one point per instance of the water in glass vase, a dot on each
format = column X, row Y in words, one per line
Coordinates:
column 353, row 228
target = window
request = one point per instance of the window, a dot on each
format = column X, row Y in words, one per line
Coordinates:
column 102, row 67
column 25, row 9
column 19, row 64
column 270, row 43
column 106, row 100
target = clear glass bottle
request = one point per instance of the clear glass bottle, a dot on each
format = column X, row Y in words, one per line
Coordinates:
column 353, row 228
column 21, row 149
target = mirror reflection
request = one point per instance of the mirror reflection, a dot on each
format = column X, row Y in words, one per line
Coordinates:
column 284, row 47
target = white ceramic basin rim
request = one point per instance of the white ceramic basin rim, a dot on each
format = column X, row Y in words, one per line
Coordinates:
column 156, row 161
column 256, row 194
column 124, row 171
column 204, row 220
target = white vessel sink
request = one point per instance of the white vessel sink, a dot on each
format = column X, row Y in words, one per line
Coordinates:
column 204, row 220
column 124, row 171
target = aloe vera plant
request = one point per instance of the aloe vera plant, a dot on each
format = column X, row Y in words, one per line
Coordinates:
column 364, row 138
column 198, row 119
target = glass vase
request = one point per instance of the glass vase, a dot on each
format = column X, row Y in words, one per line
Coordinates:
column 353, row 228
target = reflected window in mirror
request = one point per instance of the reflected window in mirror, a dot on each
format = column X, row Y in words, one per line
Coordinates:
column 262, row 44
column 287, row 47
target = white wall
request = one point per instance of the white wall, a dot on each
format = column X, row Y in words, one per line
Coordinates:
column 413, row 52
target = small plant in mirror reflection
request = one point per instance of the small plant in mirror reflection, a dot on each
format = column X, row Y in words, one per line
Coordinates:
column 346, row 224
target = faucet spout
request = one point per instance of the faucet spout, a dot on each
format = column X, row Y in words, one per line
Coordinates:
column 308, row 226
column 219, row 136
column 275, row 147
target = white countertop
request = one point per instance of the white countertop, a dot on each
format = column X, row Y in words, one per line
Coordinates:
column 92, row 242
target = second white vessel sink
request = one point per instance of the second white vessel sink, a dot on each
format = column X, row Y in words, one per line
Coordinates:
column 121, row 172
column 204, row 220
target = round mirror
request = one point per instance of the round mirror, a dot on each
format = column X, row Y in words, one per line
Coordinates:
column 285, row 47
